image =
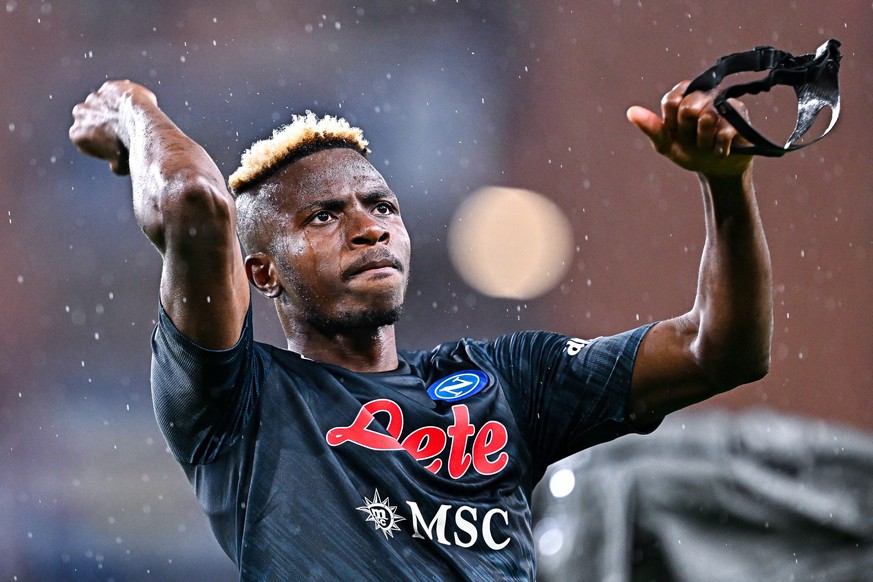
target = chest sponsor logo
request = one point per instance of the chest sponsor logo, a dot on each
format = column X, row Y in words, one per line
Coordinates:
column 479, row 448
column 383, row 515
column 458, row 386
column 461, row 526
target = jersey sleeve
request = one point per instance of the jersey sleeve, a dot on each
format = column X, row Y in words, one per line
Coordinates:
column 568, row 394
column 203, row 398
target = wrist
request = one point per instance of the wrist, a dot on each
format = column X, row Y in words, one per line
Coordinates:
column 735, row 182
column 134, row 104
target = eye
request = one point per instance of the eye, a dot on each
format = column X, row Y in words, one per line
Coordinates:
column 321, row 217
column 383, row 208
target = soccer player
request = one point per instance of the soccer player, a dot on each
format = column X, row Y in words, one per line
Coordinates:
column 339, row 457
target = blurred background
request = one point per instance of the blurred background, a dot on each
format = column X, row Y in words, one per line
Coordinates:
column 454, row 96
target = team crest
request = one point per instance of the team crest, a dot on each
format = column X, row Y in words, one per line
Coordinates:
column 382, row 514
column 458, row 386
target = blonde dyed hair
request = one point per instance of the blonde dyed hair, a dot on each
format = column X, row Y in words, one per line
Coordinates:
column 306, row 134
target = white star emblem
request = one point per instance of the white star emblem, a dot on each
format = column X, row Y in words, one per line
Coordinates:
column 382, row 514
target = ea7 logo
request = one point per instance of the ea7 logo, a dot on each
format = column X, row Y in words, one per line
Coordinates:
column 576, row 345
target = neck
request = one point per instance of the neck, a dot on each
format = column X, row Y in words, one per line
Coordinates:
column 362, row 350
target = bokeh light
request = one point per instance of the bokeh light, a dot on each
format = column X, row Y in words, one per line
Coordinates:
column 562, row 483
column 510, row 243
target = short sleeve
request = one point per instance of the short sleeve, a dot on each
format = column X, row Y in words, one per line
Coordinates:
column 568, row 394
column 203, row 398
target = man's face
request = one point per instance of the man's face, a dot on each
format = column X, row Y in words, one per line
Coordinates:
column 340, row 247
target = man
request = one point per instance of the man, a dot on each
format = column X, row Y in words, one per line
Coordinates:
column 340, row 457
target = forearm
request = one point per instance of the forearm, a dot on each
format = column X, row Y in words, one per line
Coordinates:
column 733, row 309
column 176, row 185
column 180, row 202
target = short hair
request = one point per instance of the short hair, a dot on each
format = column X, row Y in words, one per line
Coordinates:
column 306, row 134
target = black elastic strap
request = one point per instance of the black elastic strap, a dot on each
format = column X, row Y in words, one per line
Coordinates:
column 814, row 78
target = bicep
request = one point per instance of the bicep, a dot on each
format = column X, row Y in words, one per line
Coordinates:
column 204, row 289
column 667, row 374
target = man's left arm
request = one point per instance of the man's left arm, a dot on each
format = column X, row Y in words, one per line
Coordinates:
column 724, row 340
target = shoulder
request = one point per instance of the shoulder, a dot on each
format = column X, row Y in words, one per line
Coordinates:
column 517, row 347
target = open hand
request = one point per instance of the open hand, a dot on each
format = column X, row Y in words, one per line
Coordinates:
column 691, row 133
column 99, row 128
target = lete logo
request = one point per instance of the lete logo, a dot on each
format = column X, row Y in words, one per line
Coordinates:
column 469, row 446
column 458, row 386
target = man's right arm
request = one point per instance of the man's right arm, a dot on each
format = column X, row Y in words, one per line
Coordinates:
column 180, row 202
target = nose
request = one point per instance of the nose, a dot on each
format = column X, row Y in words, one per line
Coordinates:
column 366, row 231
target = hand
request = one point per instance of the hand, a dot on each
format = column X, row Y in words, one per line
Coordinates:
column 692, row 134
column 99, row 126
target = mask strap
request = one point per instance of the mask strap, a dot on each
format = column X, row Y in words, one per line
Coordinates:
column 814, row 78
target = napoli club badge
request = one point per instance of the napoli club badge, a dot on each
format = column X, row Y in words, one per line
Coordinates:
column 458, row 386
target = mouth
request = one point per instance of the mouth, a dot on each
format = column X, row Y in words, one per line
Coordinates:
column 374, row 263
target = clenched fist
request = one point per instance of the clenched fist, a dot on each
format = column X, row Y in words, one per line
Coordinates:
column 100, row 127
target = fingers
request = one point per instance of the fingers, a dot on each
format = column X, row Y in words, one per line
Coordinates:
column 650, row 124
column 113, row 91
column 735, row 138
column 670, row 106
column 692, row 120
column 699, row 124
column 706, row 129
column 119, row 165
column 692, row 134
column 95, row 129
column 724, row 137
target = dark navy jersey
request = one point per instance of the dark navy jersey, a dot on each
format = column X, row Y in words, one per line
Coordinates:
column 309, row 471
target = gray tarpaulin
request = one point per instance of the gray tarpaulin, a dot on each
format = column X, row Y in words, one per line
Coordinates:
column 712, row 497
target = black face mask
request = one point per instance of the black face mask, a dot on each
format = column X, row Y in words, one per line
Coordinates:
column 813, row 77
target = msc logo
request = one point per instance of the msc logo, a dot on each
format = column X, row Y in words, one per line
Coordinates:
column 469, row 525
column 462, row 526
column 458, row 386
column 382, row 514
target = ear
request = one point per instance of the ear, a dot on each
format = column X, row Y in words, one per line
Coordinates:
column 261, row 272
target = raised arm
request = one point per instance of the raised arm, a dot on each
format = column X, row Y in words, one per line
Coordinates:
column 181, row 203
column 724, row 340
